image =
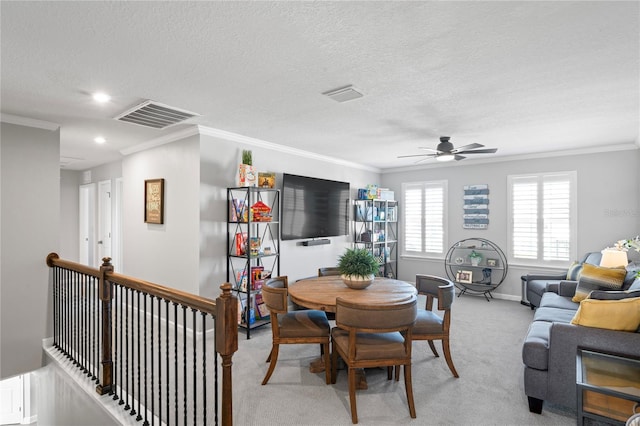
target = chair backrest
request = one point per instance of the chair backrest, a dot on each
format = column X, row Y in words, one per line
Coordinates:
column 328, row 270
column 374, row 318
column 438, row 287
column 275, row 294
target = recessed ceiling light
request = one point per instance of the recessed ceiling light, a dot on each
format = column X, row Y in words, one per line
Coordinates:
column 99, row 139
column 101, row 97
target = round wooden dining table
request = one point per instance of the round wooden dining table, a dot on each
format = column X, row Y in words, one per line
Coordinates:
column 321, row 292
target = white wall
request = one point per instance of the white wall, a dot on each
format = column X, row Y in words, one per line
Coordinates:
column 608, row 198
column 70, row 181
column 219, row 160
column 30, row 226
column 165, row 254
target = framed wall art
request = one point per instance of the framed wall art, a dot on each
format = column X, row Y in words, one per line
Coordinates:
column 464, row 277
column 154, row 201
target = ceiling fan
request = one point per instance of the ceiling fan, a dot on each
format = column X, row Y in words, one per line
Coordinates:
column 446, row 152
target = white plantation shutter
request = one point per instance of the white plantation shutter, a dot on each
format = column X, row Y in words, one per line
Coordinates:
column 542, row 208
column 424, row 217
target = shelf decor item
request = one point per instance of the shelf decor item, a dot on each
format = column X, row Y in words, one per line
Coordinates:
column 247, row 172
column 358, row 267
column 475, row 258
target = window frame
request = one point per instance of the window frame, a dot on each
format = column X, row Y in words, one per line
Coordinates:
column 540, row 179
column 423, row 253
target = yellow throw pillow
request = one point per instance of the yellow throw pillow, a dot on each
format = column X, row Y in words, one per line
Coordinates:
column 594, row 277
column 621, row 315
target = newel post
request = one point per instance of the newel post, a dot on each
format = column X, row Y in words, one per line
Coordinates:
column 226, row 345
column 106, row 378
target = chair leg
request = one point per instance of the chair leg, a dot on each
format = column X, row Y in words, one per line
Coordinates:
column 327, row 363
column 269, row 357
column 272, row 365
column 352, row 395
column 334, row 364
column 433, row 348
column 397, row 367
column 447, row 357
column 408, row 385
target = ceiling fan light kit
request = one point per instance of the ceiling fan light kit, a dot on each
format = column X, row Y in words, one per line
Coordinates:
column 445, row 157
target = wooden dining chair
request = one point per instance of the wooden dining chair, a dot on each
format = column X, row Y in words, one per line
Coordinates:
column 429, row 325
column 296, row 327
column 373, row 335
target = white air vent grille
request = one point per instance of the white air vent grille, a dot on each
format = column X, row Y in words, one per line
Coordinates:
column 156, row 115
column 344, row 94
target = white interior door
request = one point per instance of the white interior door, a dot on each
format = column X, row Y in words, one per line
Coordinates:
column 104, row 221
column 11, row 401
column 87, row 224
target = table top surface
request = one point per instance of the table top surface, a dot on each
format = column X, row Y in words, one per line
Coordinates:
column 321, row 292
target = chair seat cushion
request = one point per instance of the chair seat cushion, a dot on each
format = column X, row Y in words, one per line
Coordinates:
column 427, row 322
column 371, row 346
column 309, row 323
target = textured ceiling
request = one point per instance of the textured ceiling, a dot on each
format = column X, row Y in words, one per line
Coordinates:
column 523, row 77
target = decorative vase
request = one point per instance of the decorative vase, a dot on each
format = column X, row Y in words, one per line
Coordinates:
column 357, row 282
column 247, row 175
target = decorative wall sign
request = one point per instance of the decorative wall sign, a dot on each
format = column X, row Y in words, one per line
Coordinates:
column 476, row 207
column 154, row 201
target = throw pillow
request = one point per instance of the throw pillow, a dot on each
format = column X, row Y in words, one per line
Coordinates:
column 573, row 272
column 621, row 315
column 598, row 278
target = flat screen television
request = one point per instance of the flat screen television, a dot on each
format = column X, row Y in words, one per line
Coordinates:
column 314, row 208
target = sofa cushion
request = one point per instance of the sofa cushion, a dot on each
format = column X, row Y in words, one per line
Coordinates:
column 553, row 300
column 632, row 272
column 549, row 314
column 535, row 351
column 598, row 278
column 621, row 315
column 635, row 285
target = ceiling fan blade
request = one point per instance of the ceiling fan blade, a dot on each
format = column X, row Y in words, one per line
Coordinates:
column 465, row 147
column 417, row 155
column 480, row 151
column 424, row 159
column 459, row 157
column 428, row 149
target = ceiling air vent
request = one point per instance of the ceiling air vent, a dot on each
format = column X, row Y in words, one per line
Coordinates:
column 156, row 115
column 344, row 94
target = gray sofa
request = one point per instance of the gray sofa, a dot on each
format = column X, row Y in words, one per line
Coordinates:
column 550, row 347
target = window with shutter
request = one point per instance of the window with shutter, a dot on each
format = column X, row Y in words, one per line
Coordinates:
column 542, row 213
column 424, row 218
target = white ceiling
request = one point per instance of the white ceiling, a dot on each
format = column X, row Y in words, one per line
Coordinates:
column 523, row 77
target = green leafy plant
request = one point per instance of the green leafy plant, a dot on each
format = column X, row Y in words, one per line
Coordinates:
column 247, row 157
column 357, row 261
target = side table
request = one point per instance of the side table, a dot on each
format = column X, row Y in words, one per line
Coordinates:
column 608, row 386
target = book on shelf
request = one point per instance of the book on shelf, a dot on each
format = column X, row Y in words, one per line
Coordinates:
column 239, row 210
column 256, row 277
column 241, row 243
column 261, row 307
column 241, row 280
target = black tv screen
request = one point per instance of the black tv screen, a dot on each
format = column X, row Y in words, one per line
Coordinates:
column 313, row 208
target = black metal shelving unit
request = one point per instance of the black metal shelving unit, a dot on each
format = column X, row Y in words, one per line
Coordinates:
column 253, row 242
column 376, row 229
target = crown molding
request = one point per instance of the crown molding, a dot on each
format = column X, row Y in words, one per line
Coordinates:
column 532, row 156
column 162, row 140
column 29, row 122
column 223, row 134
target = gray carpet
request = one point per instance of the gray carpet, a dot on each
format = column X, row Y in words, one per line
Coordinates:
column 486, row 349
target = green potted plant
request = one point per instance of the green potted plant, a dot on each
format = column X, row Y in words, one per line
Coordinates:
column 475, row 258
column 358, row 267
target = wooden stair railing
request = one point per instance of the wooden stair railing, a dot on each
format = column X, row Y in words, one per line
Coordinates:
column 96, row 312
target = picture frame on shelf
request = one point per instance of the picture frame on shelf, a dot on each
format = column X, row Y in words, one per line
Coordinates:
column 492, row 262
column 465, row 277
column 154, row 201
